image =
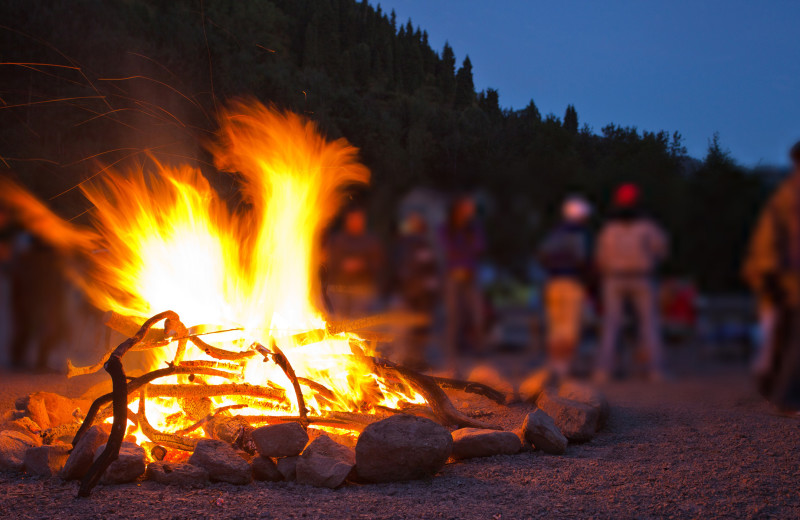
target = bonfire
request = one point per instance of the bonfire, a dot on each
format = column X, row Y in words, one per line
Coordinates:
column 226, row 300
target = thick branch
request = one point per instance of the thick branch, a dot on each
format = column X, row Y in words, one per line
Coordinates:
column 120, row 403
column 137, row 383
column 433, row 394
column 218, row 353
column 170, row 440
column 471, row 387
column 182, row 390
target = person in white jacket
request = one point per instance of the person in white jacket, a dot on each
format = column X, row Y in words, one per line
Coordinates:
column 629, row 248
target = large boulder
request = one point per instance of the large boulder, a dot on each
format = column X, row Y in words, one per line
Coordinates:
column 222, row 462
column 129, row 465
column 577, row 421
column 177, row 474
column 476, row 442
column 46, row 461
column 325, row 463
column 587, row 394
column 82, row 455
column 402, row 447
column 265, row 469
column 280, row 440
column 540, row 430
column 13, row 446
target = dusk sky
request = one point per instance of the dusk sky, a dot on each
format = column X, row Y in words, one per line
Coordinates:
column 698, row 67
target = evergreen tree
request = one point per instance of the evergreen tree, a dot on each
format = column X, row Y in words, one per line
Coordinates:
column 465, row 87
column 571, row 120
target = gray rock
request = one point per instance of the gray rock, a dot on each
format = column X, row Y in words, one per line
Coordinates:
column 540, row 430
column 577, row 421
column 129, row 466
column 222, row 462
column 82, row 455
column 46, row 461
column 325, row 463
column 402, row 447
column 177, row 474
column 287, row 466
column 265, row 469
column 587, row 394
column 477, row 442
column 13, row 446
column 280, row 440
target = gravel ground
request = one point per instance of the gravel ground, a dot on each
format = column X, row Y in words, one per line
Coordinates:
column 699, row 447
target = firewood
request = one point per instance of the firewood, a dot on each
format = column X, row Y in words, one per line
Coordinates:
column 120, row 403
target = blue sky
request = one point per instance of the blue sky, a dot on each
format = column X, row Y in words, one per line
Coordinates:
column 698, row 67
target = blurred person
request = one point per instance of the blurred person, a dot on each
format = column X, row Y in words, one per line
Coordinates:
column 35, row 254
column 566, row 256
column 463, row 243
column 772, row 269
column 355, row 265
column 418, row 284
column 630, row 247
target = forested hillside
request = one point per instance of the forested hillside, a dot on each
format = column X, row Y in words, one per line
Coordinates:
column 134, row 80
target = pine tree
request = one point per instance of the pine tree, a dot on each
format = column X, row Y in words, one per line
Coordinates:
column 446, row 73
column 571, row 120
column 465, row 87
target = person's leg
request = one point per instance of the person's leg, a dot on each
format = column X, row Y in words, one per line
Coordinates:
column 453, row 319
column 784, row 387
column 643, row 295
column 564, row 304
column 21, row 326
column 474, row 300
column 611, row 321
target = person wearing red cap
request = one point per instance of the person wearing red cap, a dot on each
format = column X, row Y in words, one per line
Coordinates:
column 630, row 247
column 772, row 269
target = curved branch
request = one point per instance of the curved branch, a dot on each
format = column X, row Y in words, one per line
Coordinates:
column 120, row 403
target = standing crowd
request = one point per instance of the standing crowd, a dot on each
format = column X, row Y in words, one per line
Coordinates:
column 427, row 266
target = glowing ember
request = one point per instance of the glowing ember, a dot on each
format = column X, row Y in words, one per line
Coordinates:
column 174, row 244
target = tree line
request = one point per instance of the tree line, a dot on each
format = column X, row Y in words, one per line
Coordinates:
column 89, row 83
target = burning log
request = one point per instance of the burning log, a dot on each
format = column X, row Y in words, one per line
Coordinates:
column 269, row 393
column 137, row 383
column 433, row 394
column 405, row 319
column 218, row 353
column 280, row 359
column 170, row 440
column 471, row 387
column 209, row 417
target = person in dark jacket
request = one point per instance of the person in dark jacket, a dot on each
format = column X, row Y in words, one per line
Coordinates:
column 355, row 263
column 463, row 243
column 772, row 269
column 565, row 254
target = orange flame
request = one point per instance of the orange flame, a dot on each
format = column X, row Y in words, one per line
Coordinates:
column 174, row 244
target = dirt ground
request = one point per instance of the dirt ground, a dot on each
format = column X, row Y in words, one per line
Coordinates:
column 697, row 447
